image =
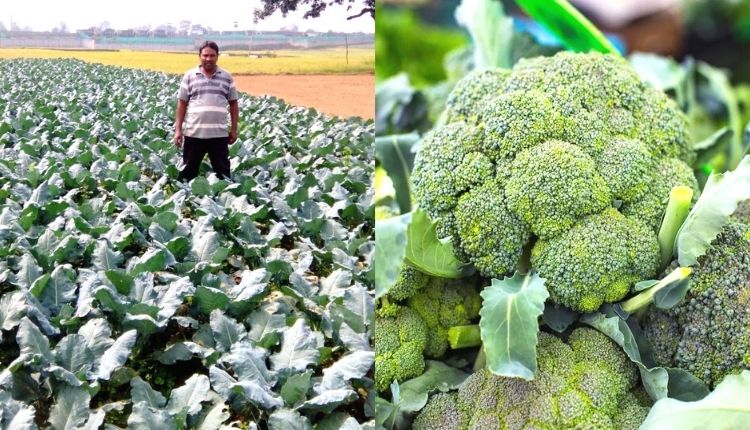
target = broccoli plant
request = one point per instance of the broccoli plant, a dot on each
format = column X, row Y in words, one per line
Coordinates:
column 572, row 156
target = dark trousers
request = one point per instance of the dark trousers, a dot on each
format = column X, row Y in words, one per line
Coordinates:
column 193, row 151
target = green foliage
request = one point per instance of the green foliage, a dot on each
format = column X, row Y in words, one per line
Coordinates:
column 404, row 43
column 586, row 381
column 542, row 152
column 210, row 296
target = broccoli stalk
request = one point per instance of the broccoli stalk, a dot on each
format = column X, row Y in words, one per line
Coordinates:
column 677, row 210
column 645, row 298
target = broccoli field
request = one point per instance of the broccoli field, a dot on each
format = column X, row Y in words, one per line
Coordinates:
column 562, row 233
column 131, row 300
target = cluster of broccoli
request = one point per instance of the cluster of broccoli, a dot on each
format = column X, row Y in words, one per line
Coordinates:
column 587, row 383
column 571, row 155
column 708, row 333
column 413, row 321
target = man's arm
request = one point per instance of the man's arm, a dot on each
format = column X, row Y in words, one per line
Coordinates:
column 180, row 118
column 234, row 114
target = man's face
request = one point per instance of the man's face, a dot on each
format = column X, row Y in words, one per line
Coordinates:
column 208, row 59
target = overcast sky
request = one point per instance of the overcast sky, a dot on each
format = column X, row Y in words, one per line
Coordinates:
column 43, row 15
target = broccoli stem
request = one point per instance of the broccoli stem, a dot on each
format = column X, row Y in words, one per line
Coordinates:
column 675, row 214
column 464, row 336
column 645, row 298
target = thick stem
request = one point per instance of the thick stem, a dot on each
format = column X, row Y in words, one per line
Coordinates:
column 675, row 214
column 646, row 297
column 481, row 360
column 464, row 336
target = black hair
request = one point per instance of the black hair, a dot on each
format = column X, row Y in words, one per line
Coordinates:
column 209, row 44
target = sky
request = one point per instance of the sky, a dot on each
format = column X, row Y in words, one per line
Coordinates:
column 44, row 15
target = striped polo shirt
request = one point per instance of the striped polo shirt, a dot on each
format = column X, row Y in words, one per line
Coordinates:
column 208, row 99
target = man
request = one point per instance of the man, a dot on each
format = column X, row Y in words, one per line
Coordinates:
column 201, row 121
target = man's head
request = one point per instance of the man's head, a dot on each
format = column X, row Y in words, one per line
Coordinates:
column 208, row 53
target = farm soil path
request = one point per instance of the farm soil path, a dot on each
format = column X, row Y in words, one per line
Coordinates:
column 341, row 95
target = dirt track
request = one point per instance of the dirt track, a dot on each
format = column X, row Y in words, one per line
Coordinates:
column 341, row 95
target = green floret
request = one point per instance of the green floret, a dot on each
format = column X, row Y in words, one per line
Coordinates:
column 516, row 121
column 470, row 91
column 742, row 214
column 586, row 383
column 408, row 283
column 668, row 173
column 626, row 165
column 444, row 304
column 399, row 345
column 526, row 154
column 444, row 149
column 663, row 332
column 553, row 185
column 490, row 234
column 596, row 261
column 714, row 317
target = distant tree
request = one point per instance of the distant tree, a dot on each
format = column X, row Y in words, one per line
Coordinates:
column 315, row 7
column 2, row 27
column 185, row 27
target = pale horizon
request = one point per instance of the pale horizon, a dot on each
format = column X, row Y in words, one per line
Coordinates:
column 80, row 14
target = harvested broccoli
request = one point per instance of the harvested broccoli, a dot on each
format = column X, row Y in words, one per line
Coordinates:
column 586, row 383
column 444, row 304
column 538, row 154
column 712, row 323
column 399, row 344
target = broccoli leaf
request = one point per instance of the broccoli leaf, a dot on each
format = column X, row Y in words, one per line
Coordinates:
column 491, row 31
column 396, row 156
column 719, row 200
column 509, row 324
column 659, row 382
column 390, row 248
column 437, row 376
column 727, row 405
column 427, row 252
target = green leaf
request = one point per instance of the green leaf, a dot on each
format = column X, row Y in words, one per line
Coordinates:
column 559, row 318
column 141, row 391
column 295, row 388
column 509, row 324
column 71, row 409
column 427, row 252
column 189, row 396
column 390, row 249
column 656, row 380
column 117, row 354
column 719, row 200
column 491, row 31
column 299, row 348
column 727, row 406
column 437, row 376
column 287, row 419
column 573, row 30
column 397, row 158
column 31, row 340
column 104, row 258
column 226, row 330
column 209, row 299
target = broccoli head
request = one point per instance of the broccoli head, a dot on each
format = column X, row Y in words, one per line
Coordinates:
column 586, row 383
column 537, row 152
column 712, row 323
column 443, row 304
column 408, row 283
column 400, row 341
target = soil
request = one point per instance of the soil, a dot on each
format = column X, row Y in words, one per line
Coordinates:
column 337, row 95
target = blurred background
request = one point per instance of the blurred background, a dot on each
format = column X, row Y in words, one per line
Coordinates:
column 714, row 31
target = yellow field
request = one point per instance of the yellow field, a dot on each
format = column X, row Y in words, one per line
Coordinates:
column 296, row 62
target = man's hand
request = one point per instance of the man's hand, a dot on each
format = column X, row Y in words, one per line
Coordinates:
column 232, row 136
column 178, row 139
